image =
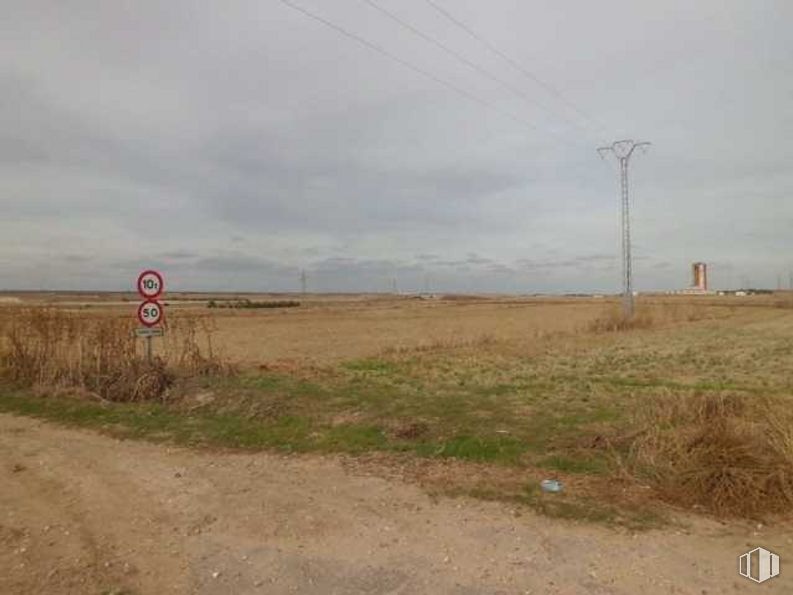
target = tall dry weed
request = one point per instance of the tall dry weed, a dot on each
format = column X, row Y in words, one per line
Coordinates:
column 51, row 348
column 613, row 320
column 648, row 316
column 729, row 453
column 188, row 345
column 444, row 344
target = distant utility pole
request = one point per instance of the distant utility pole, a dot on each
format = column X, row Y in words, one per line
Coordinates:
column 622, row 150
column 303, row 281
column 394, row 284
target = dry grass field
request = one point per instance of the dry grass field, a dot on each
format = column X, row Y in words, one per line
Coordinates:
column 327, row 328
column 325, row 333
column 685, row 407
column 334, row 328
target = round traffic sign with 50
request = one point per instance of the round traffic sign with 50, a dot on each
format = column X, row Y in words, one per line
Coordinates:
column 150, row 313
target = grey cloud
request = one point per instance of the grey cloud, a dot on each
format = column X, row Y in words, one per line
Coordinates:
column 497, row 267
column 594, row 261
column 243, row 263
column 178, row 255
column 475, row 259
column 75, row 258
column 236, row 148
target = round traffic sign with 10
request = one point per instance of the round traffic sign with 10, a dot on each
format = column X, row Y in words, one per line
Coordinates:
column 150, row 313
column 150, row 284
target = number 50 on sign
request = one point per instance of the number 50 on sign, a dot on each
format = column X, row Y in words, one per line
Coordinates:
column 150, row 313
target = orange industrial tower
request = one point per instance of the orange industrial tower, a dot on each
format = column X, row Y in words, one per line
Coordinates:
column 699, row 271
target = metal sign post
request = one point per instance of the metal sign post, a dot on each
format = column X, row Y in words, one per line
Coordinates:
column 150, row 311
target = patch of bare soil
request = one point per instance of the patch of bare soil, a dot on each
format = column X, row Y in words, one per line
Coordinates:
column 84, row 513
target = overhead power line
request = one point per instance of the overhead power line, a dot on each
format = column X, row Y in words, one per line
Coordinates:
column 417, row 69
column 461, row 58
column 512, row 62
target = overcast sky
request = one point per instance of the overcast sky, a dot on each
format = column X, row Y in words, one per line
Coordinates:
column 232, row 144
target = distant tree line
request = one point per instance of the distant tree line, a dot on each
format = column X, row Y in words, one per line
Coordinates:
column 251, row 304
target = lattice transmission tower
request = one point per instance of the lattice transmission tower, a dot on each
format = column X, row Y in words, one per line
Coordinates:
column 622, row 151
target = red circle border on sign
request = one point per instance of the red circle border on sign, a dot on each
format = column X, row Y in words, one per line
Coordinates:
column 159, row 278
column 142, row 305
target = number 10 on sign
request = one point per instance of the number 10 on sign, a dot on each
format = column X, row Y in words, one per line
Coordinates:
column 150, row 284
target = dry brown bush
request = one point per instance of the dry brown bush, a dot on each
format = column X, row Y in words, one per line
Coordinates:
column 440, row 345
column 729, row 453
column 649, row 316
column 614, row 320
column 188, row 345
column 51, row 348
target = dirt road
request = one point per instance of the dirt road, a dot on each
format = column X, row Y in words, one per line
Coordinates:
column 84, row 513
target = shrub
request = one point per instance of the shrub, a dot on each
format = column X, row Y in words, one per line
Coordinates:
column 648, row 316
column 51, row 348
column 246, row 303
column 613, row 320
column 729, row 453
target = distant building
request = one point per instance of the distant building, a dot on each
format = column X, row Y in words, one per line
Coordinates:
column 699, row 280
column 699, row 273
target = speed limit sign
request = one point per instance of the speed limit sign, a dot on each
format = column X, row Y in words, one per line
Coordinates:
column 150, row 284
column 150, row 313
